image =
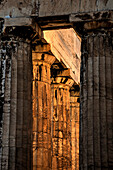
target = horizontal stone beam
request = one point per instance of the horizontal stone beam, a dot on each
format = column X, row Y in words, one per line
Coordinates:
column 24, row 22
column 63, row 73
column 54, row 22
column 63, row 81
column 65, row 45
column 91, row 16
column 46, row 23
column 18, row 21
column 43, row 58
column 42, row 48
column 66, row 73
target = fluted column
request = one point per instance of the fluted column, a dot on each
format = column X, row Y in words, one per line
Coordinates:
column 2, row 89
column 15, row 53
column 61, row 134
column 75, row 112
column 96, row 116
column 41, row 108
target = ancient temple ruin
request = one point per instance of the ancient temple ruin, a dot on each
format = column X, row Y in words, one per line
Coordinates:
column 56, row 85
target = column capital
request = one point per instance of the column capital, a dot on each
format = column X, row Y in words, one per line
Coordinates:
column 94, row 28
column 62, row 78
column 12, row 38
column 42, row 48
column 75, row 90
column 92, row 22
column 92, row 16
column 42, row 60
column 42, row 54
column 20, row 33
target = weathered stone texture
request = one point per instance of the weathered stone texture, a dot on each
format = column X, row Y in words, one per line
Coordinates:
column 43, row 8
column 2, row 91
column 55, row 137
column 41, row 109
column 74, row 114
column 17, row 144
column 96, row 114
column 17, row 112
column 61, row 135
column 66, row 45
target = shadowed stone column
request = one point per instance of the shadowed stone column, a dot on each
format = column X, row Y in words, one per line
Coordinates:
column 96, row 116
column 61, row 134
column 2, row 89
column 42, row 61
column 75, row 112
column 15, row 53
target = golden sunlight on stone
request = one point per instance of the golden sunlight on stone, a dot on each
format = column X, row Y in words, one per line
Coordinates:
column 56, row 80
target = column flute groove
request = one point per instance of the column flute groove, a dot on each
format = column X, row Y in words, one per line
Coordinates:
column 41, row 107
column 16, row 138
column 75, row 113
column 97, row 76
column 61, row 120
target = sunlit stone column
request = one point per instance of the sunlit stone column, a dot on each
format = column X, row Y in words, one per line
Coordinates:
column 15, row 55
column 60, row 118
column 96, row 116
column 74, row 114
column 41, row 107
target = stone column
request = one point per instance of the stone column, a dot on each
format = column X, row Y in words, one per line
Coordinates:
column 75, row 112
column 2, row 89
column 42, row 107
column 15, row 53
column 96, row 116
column 61, row 134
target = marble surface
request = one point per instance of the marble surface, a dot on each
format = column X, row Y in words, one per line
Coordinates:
column 26, row 8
